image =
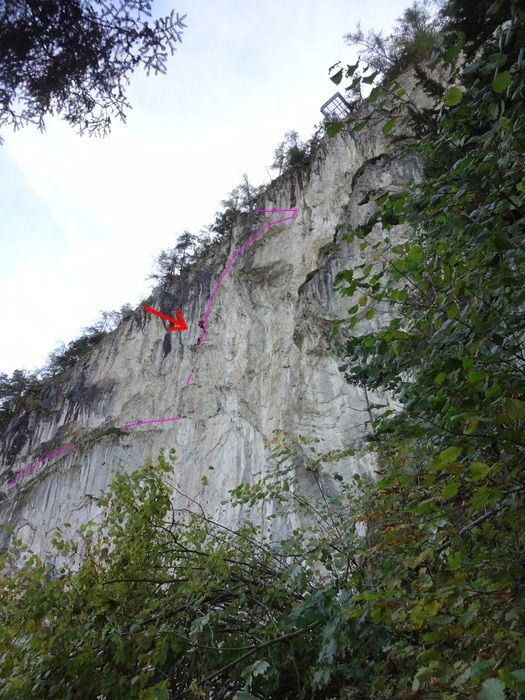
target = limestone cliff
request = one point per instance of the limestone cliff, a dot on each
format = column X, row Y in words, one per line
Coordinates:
column 265, row 363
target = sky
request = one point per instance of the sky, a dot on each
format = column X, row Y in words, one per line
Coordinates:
column 83, row 218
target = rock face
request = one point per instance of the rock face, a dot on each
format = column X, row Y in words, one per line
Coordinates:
column 266, row 362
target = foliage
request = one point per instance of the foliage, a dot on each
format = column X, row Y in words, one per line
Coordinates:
column 186, row 246
column 411, row 43
column 242, row 199
column 18, row 392
column 167, row 603
column 75, row 58
column 171, row 262
column 477, row 20
column 293, row 154
column 446, row 561
column 22, row 391
column 65, row 357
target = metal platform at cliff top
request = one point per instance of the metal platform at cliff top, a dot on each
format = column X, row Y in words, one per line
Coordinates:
column 336, row 108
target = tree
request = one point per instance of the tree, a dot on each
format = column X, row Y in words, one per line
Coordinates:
column 185, row 248
column 240, row 200
column 476, row 21
column 446, row 518
column 75, row 58
column 15, row 387
column 167, row 265
column 168, row 603
column 411, row 43
column 66, row 357
column 294, row 154
column 17, row 393
column 288, row 150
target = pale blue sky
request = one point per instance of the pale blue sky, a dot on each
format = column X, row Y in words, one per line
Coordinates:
column 82, row 218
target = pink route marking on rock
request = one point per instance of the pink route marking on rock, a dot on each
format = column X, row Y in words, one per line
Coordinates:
column 257, row 235
column 129, row 425
column 39, row 462
column 163, row 420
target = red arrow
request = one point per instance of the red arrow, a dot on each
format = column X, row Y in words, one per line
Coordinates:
column 179, row 323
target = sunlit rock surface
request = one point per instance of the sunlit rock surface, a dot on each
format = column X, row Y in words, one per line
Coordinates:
column 266, row 362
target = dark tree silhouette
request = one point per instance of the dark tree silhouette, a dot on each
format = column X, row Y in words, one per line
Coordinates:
column 167, row 266
column 185, row 248
column 74, row 58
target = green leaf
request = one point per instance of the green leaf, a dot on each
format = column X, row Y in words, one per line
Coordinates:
column 415, row 253
column 479, row 470
column 492, row 391
column 370, row 314
column 452, row 311
column 454, row 561
column 433, row 637
column 389, row 126
column 453, row 96
column 477, row 376
column 374, row 94
column 450, row 489
column 369, row 79
column 492, row 689
column 360, row 125
column 334, row 128
column 450, row 454
column 515, row 680
column 412, row 562
column 418, row 615
column 502, row 81
column 494, row 8
column 424, row 674
column 485, row 496
column 515, row 409
column 452, row 53
column 337, row 77
column 258, row 668
column 432, row 608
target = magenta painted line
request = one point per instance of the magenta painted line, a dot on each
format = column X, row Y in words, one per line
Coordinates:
column 129, row 425
column 39, row 462
column 238, row 252
column 161, row 420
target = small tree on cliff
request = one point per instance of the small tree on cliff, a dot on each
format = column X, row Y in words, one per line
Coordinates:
column 411, row 42
column 185, row 248
column 74, row 58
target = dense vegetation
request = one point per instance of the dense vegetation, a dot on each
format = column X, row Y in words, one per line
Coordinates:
column 410, row 586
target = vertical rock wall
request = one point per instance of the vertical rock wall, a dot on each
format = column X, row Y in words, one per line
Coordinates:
column 266, row 362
